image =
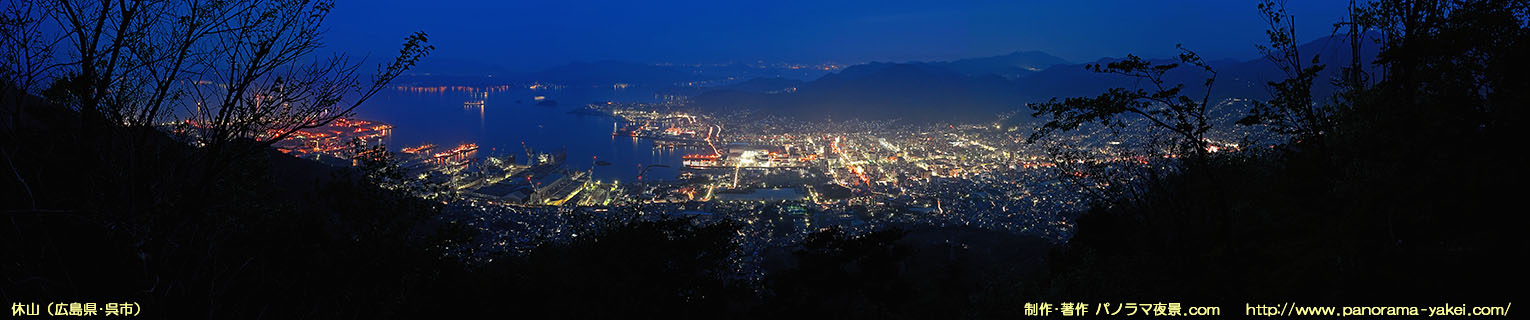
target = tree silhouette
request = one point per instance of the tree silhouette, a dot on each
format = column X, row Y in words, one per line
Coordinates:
column 243, row 73
column 1407, row 182
column 1165, row 106
column 1291, row 109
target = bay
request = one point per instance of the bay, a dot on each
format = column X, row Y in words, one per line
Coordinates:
column 509, row 117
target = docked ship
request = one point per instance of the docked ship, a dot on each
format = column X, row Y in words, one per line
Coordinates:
column 420, row 150
column 461, row 155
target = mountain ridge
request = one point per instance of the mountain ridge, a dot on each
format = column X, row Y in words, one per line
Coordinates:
column 958, row 91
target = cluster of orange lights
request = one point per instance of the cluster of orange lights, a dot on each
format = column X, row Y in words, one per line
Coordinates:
column 415, row 150
column 337, row 128
column 466, row 147
column 1034, row 165
column 689, row 192
column 860, row 174
column 678, row 131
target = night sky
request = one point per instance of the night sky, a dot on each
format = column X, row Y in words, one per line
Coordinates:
column 532, row 35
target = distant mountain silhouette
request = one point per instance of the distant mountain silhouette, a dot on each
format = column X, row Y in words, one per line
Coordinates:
column 458, row 67
column 979, row 88
column 665, row 78
column 611, row 72
column 1016, row 64
column 770, row 85
column 1240, row 79
column 883, row 91
column 765, row 85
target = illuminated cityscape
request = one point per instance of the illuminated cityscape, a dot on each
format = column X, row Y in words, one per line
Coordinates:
column 783, row 178
column 851, row 159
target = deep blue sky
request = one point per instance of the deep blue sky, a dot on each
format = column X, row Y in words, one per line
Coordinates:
column 532, row 35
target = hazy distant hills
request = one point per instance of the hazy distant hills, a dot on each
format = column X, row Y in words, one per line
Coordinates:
column 450, row 67
column 604, row 74
column 979, row 88
column 600, row 73
column 765, row 85
column 611, row 72
column 1013, row 65
column 959, row 90
column 1241, row 79
column 880, row 91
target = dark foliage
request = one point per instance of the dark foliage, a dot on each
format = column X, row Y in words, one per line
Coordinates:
column 1164, row 104
column 1412, row 198
column 102, row 223
column 645, row 269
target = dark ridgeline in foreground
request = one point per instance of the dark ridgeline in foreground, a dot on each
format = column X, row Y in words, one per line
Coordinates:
column 1407, row 195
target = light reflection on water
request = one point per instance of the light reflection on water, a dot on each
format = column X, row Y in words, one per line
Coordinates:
column 502, row 125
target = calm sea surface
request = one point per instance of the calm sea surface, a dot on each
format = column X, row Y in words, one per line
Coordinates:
column 501, row 125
